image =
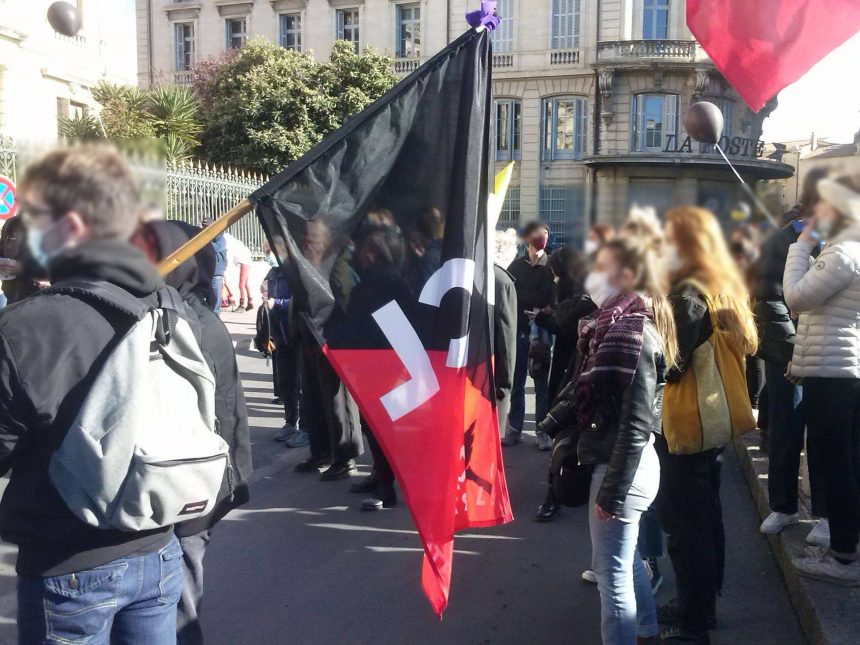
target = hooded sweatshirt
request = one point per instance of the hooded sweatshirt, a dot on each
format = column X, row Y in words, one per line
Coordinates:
column 51, row 349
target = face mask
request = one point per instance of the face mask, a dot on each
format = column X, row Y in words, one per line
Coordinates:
column 671, row 259
column 597, row 286
column 271, row 260
column 539, row 243
column 824, row 227
column 35, row 237
column 591, row 247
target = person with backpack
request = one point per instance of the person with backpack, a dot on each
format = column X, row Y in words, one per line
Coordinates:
column 192, row 280
column 706, row 404
column 84, row 573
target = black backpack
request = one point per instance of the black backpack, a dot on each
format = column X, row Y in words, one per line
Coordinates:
column 263, row 339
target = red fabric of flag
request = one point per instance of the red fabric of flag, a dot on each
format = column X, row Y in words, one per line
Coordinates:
column 761, row 46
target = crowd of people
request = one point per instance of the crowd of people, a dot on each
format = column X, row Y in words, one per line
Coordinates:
column 650, row 350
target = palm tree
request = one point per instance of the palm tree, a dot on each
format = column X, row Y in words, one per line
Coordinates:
column 173, row 112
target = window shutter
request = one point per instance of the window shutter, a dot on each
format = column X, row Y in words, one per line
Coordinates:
column 179, row 46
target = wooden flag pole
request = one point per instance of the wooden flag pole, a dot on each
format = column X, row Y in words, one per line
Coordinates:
column 204, row 237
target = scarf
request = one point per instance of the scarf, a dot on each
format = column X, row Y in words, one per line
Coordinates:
column 610, row 344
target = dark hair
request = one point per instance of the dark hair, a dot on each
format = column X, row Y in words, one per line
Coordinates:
column 809, row 196
column 91, row 180
column 533, row 226
column 384, row 241
column 571, row 267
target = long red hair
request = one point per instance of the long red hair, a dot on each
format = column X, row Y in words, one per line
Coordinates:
column 702, row 246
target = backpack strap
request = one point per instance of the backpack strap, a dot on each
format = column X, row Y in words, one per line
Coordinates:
column 105, row 293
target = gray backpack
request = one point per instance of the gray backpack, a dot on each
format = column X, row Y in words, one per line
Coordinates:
column 143, row 451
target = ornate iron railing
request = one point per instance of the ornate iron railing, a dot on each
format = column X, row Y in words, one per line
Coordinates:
column 183, row 78
column 194, row 191
column 8, row 157
column 635, row 49
column 502, row 60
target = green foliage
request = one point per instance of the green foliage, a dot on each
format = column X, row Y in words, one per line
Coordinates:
column 80, row 128
column 163, row 121
column 266, row 106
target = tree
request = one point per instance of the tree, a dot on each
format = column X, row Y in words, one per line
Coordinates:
column 163, row 120
column 266, row 106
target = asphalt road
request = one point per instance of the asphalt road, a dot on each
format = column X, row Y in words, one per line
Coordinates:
column 302, row 564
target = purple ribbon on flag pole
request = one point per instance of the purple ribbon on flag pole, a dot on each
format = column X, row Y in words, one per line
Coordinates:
column 485, row 16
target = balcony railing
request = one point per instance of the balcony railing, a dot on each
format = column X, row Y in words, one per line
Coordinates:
column 632, row 50
column 503, row 60
column 183, row 78
column 78, row 40
column 405, row 66
column 564, row 57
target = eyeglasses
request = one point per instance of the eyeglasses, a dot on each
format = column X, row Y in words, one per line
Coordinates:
column 29, row 213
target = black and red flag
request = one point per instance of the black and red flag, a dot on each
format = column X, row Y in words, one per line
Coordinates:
column 382, row 229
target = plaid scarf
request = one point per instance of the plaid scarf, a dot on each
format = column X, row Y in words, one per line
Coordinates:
column 610, row 344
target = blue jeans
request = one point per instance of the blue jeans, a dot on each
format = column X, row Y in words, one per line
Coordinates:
column 215, row 297
column 518, row 391
column 627, row 607
column 130, row 601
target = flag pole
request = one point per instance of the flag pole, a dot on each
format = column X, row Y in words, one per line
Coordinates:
column 204, row 237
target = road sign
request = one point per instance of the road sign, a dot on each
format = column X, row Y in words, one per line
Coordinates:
column 8, row 200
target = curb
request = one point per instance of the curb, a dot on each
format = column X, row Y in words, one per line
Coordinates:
column 827, row 613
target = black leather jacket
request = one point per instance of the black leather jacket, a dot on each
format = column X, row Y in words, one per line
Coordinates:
column 623, row 423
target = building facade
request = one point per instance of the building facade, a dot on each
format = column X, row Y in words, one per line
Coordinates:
column 44, row 75
column 589, row 94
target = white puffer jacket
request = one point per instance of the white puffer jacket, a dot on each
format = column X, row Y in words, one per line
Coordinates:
column 826, row 294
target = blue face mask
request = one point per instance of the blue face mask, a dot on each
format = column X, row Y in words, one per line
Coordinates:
column 35, row 237
column 271, row 260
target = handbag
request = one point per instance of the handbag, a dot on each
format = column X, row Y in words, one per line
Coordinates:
column 570, row 481
column 709, row 405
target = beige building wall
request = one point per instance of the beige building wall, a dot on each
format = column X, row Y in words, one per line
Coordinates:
column 609, row 64
column 44, row 74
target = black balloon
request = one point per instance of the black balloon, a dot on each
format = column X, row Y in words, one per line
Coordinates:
column 64, row 18
column 703, row 121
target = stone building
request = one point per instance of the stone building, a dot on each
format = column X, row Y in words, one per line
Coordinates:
column 44, row 75
column 589, row 94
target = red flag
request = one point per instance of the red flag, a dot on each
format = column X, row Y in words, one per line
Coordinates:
column 761, row 46
column 403, row 312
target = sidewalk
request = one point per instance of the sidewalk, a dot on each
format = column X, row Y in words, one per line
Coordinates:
column 829, row 614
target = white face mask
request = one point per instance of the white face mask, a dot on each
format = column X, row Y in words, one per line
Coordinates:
column 591, row 247
column 671, row 259
column 597, row 286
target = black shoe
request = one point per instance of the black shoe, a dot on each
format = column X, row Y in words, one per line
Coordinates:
column 386, row 497
column 338, row 471
column 670, row 614
column 250, row 307
column 512, row 438
column 547, row 512
column 677, row 635
column 312, row 464
column 366, row 485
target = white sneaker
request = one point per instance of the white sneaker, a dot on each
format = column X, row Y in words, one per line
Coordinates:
column 823, row 566
column 775, row 522
column 543, row 441
column 589, row 576
column 820, row 534
column 286, row 432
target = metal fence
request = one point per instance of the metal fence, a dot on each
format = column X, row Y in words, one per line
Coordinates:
column 194, row 191
column 187, row 191
column 8, row 157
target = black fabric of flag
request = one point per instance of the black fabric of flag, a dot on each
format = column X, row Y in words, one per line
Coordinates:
column 382, row 231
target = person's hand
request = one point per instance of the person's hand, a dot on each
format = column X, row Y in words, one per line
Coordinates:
column 531, row 313
column 602, row 515
column 808, row 232
column 270, row 303
column 547, row 310
column 9, row 267
column 792, row 379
